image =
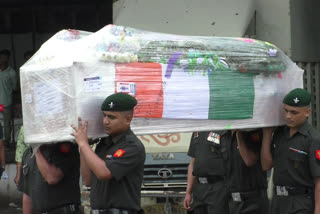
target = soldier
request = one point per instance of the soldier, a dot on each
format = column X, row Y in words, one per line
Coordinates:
column 115, row 169
column 294, row 152
column 207, row 184
column 50, row 179
column 247, row 181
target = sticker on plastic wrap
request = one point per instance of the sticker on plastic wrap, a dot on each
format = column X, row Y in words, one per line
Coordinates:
column 92, row 84
column 28, row 98
column 48, row 98
column 126, row 87
column 272, row 52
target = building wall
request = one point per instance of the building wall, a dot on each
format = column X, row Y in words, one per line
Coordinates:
column 273, row 23
column 186, row 17
column 305, row 30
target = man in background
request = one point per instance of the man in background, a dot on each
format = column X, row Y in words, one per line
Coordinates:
column 21, row 145
column 8, row 83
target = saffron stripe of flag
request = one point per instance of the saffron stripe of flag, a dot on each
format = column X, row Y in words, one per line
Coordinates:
column 144, row 82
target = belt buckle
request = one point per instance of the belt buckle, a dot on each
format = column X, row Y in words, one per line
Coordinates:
column 202, row 180
column 282, row 191
column 95, row 211
column 236, row 196
column 117, row 211
column 72, row 207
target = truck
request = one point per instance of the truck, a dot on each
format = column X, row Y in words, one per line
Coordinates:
column 165, row 172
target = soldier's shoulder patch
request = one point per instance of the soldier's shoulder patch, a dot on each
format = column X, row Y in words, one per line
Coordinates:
column 119, row 153
column 318, row 154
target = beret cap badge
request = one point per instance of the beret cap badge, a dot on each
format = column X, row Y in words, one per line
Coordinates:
column 111, row 105
column 296, row 100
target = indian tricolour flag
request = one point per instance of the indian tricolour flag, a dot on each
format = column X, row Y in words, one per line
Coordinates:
column 164, row 92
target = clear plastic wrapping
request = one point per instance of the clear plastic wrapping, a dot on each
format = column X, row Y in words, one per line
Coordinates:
column 182, row 83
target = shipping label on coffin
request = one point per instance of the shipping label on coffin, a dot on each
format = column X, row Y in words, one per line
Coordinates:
column 93, row 84
column 127, row 87
column 48, row 100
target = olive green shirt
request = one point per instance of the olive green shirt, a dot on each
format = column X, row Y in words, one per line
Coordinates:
column 124, row 156
column 8, row 83
column 21, row 145
column 296, row 159
column 210, row 155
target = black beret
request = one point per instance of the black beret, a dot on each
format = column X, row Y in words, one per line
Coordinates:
column 297, row 98
column 119, row 102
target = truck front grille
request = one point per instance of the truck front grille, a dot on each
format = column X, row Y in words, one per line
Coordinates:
column 165, row 177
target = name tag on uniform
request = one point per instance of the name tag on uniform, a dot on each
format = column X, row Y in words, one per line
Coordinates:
column 214, row 137
column 281, row 191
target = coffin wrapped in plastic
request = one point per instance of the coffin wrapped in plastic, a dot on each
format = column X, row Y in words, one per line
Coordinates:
column 182, row 83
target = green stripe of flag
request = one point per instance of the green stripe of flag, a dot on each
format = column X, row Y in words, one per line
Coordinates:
column 231, row 95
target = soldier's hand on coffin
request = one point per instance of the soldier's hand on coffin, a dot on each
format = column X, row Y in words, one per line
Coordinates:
column 80, row 133
column 267, row 134
column 267, row 131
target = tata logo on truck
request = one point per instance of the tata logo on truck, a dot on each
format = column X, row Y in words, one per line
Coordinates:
column 165, row 173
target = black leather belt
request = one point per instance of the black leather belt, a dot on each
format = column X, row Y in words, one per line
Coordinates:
column 287, row 190
column 210, row 180
column 113, row 211
column 66, row 209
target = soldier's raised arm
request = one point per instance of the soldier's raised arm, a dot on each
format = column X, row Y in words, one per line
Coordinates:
column 266, row 155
